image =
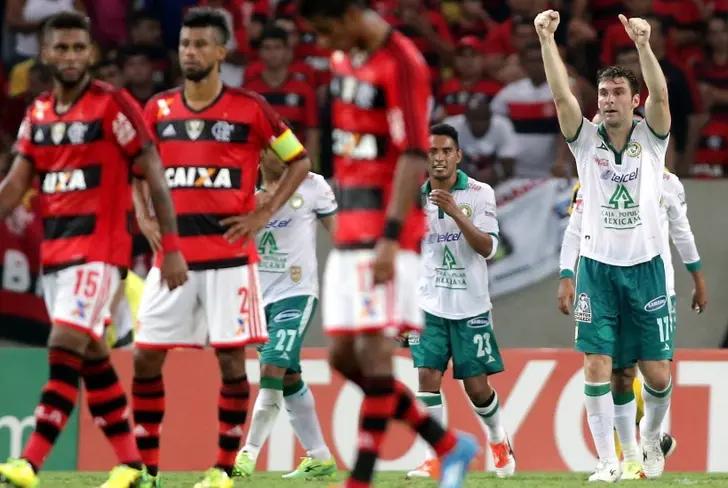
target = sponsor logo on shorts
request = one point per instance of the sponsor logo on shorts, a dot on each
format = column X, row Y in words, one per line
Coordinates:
column 478, row 322
column 583, row 310
column 656, row 304
column 286, row 315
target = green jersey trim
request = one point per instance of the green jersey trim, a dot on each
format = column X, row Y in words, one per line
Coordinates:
column 569, row 140
column 602, row 131
column 461, row 183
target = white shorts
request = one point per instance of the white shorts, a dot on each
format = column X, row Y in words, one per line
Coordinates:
column 352, row 305
column 80, row 296
column 219, row 307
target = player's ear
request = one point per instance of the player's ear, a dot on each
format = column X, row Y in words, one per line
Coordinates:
column 221, row 53
column 635, row 100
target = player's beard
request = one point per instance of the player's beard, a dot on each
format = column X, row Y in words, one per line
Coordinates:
column 197, row 75
column 68, row 83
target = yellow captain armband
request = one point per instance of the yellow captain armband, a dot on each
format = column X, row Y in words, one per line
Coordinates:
column 287, row 146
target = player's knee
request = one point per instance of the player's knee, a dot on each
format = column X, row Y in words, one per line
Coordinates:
column 68, row 338
column 232, row 362
column 478, row 390
column 622, row 380
column 597, row 368
column 271, row 371
column 430, row 380
column 291, row 379
column 148, row 362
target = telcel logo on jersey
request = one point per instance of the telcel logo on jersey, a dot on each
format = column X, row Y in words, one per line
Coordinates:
column 656, row 304
column 617, row 178
column 446, row 237
column 195, row 177
column 278, row 223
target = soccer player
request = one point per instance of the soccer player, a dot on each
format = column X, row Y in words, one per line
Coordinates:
column 210, row 137
column 380, row 103
column 83, row 140
column 453, row 292
column 675, row 225
column 621, row 303
column 289, row 284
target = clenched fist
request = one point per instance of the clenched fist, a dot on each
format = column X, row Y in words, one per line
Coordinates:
column 546, row 23
column 637, row 29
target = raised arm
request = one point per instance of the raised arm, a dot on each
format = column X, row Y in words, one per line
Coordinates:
column 657, row 109
column 567, row 105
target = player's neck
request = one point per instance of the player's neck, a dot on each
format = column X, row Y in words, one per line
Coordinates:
column 66, row 96
column 374, row 31
column 200, row 94
column 275, row 77
column 446, row 184
column 618, row 135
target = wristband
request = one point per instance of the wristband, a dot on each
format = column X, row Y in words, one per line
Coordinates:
column 170, row 243
column 566, row 273
column 392, row 229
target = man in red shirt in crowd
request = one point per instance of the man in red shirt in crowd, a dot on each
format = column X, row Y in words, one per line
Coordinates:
column 82, row 140
column 210, row 138
column 380, row 106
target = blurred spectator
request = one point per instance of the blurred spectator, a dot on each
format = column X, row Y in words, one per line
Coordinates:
column 502, row 45
column 40, row 79
column 25, row 18
column 615, row 38
column 469, row 79
column 146, row 31
column 137, row 71
column 108, row 21
column 108, row 70
column 488, row 142
column 530, row 106
column 685, row 21
column 426, row 27
column 169, row 14
column 471, row 20
column 288, row 93
column 307, row 48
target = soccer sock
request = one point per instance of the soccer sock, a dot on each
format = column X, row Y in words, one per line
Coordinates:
column 301, row 409
column 266, row 408
column 148, row 405
column 657, row 402
column 490, row 415
column 232, row 410
column 600, row 416
column 108, row 406
column 376, row 409
column 433, row 404
column 56, row 404
column 410, row 412
column 625, row 411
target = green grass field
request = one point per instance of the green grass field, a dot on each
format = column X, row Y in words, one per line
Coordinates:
column 392, row 480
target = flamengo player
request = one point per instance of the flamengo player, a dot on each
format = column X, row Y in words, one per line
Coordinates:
column 81, row 141
column 380, row 102
column 210, row 138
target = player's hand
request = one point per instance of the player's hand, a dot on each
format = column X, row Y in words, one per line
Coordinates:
column 637, row 29
column 546, row 23
column 566, row 295
column 700, row 295
column 444, row 200
column 174, row 269
column 150, row 229
column 383, row 264
column 246, row 226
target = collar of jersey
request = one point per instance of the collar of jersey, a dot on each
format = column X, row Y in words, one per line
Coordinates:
column 461, row 183
column 605, row 137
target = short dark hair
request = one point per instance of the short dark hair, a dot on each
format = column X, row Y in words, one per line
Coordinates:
column 132, row 51
column 328, row 8
column 207, row 17
column 275, row 33
column 67, row 20
column 613, row 72
column 138, row 17
column 446, row 130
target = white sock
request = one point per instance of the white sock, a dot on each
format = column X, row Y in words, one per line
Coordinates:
column 624, row 422
column 490, row 415
column 656, row 405
column 433, row 402
column 600, row 416
column 301, row 409
column 267, row 405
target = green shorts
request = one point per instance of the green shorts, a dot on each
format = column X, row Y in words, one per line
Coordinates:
column 469, row 342
column 288, row 321
column 622, row 361
column 623, row 311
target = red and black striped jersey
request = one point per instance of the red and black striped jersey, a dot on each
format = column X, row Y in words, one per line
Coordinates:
column 294, row 100
column 715, row 75
column 454, row 95
column 210, row 159
column 83, row 158
column 380, row 109
column 713, row 143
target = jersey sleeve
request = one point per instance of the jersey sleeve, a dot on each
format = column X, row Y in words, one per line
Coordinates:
column 24, row 145
column 150, row 115
column 657, row 143
column 325, row 203
column 484, row 216
column 409, row 101
column 124, row 118
column 581, row 144
column 275, row 134
column 679, row 226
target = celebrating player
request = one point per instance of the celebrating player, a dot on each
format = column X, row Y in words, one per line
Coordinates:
column 453, row 292
column 81, row 140
column 675, row 226
column 289, row 282
column 621, row 303
column 210, row 138
column 381, row 100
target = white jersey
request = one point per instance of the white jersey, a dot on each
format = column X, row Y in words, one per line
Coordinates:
column 454, row 280
column 674, row 223
column 287, row 244
column 621, row 192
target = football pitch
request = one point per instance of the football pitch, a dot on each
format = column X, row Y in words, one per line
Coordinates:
column 394, row 480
